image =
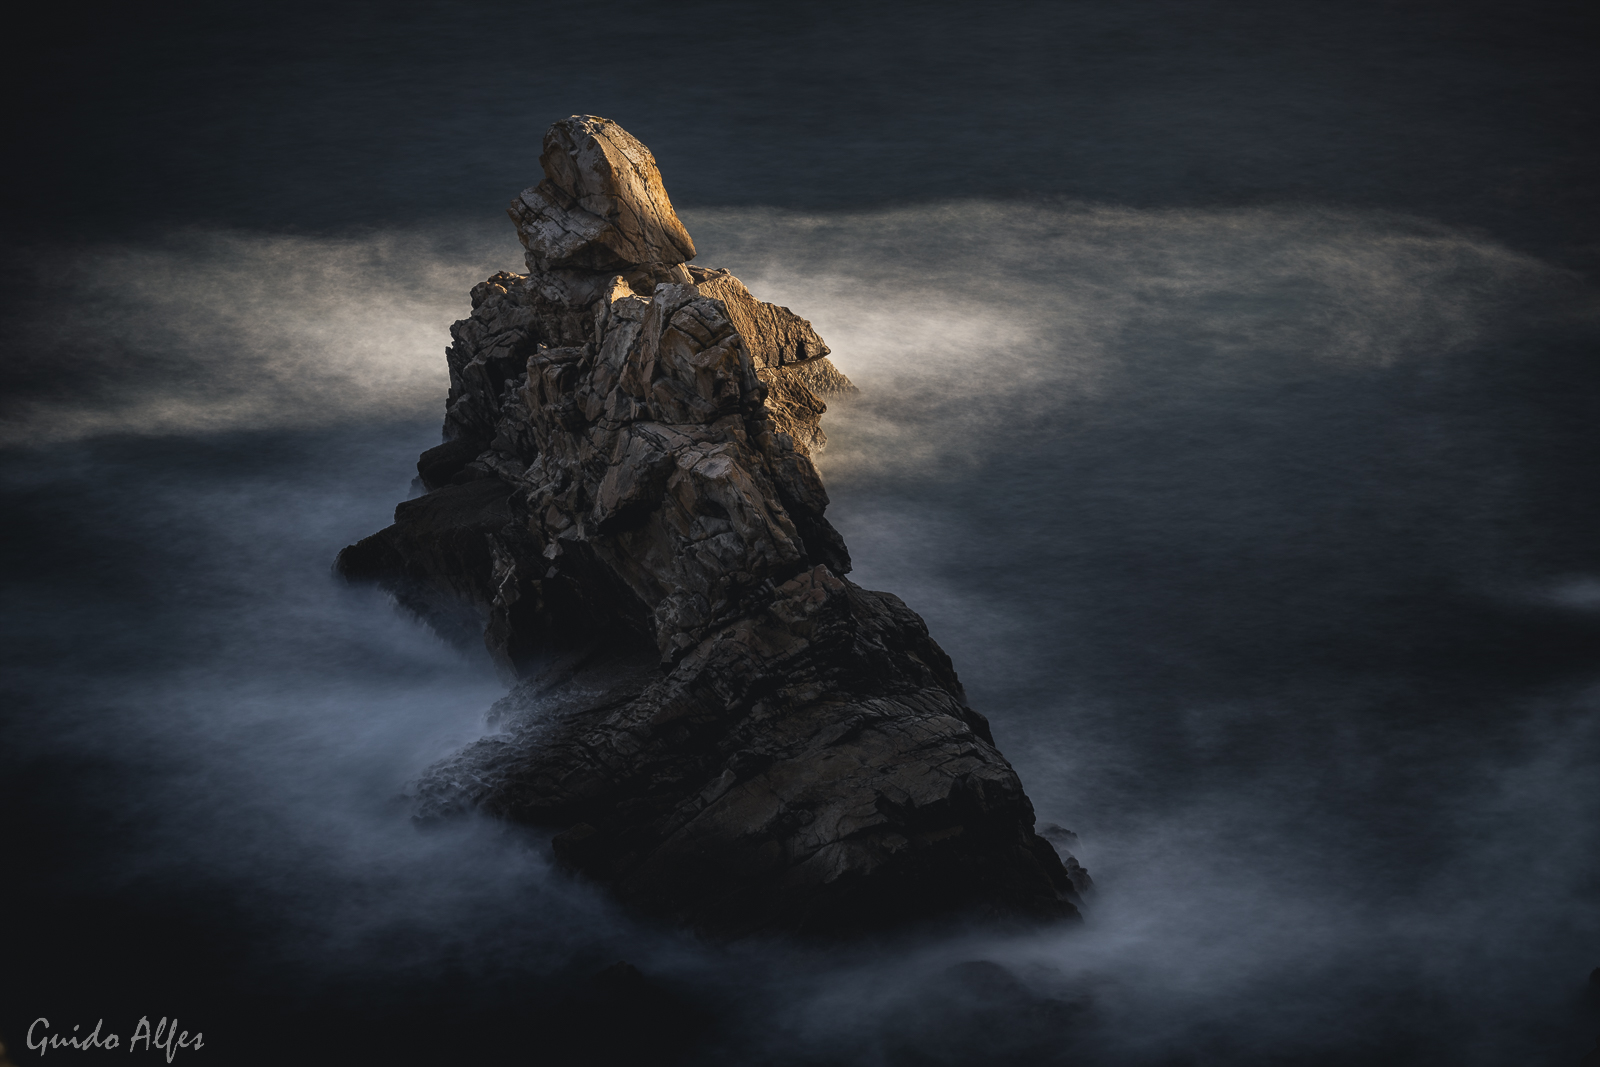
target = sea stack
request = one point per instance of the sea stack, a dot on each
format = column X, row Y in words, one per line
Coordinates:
column 724, row 730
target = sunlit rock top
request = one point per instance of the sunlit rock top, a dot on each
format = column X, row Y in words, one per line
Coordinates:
column 601, row 205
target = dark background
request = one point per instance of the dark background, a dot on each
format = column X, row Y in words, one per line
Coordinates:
column 1312, row 654
column 326, row 117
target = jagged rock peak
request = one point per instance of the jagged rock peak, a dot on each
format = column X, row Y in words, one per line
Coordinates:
column 601, row 205
column 719, row 724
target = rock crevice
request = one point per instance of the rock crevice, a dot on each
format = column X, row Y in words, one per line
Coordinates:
column 721, row 726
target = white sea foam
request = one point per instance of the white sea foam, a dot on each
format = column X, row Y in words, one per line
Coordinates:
column 1210, row 403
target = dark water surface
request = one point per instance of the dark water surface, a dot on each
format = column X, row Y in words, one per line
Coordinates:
column 1230, row 409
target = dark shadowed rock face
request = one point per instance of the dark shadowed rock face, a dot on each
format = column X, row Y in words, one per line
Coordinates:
column 723, row 728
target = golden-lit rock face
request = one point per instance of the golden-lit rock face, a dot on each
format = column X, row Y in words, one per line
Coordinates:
column 726, row 730
column 601, row 205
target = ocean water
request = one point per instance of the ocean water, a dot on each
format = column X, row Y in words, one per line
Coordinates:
column 1229, row 410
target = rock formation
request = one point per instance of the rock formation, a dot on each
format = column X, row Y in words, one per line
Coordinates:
column 724, row 730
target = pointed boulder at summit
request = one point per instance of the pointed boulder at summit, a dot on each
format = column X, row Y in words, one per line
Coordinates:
column 601, row 205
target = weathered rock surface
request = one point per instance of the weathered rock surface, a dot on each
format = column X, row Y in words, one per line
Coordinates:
column 724, row 729
column 601, row 205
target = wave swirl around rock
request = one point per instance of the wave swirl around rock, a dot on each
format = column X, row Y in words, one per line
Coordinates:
column 724, row 730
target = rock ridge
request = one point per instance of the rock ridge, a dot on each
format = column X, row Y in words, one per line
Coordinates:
column 722, row 727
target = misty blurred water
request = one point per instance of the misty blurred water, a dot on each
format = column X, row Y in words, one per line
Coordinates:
column 1229, row 410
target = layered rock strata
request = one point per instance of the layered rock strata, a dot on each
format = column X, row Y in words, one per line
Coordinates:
column 723, row 728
